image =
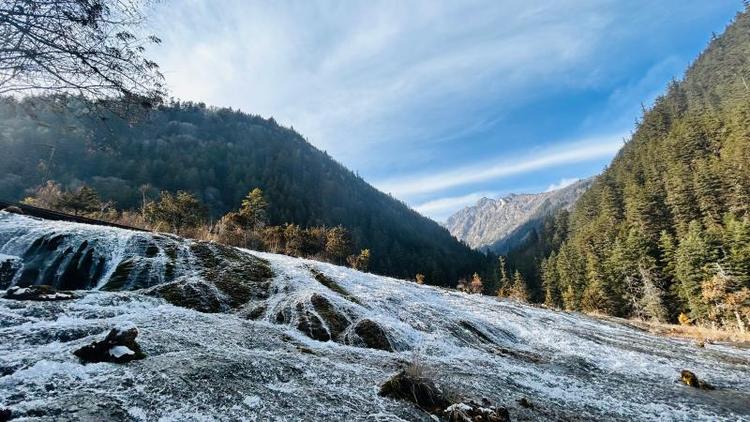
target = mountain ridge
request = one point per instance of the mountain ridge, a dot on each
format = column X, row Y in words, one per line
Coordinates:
column 219, row 154
column 499, row 224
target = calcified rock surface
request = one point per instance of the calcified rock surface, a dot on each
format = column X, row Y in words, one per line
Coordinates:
column 291, row 343
column 498, row 224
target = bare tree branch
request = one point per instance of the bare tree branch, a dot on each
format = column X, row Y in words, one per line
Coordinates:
column 88, row 48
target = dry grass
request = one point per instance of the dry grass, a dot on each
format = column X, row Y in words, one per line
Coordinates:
column 690, row 332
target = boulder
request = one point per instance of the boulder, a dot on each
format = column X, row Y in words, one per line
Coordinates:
column 689, row 378
column 334, row 320
column 13, row 210
column 37, row 293
column 474, row 412
column 372, row 335
column 5, row 415
column 118, row 347
column 416, row 389
column 9, row 266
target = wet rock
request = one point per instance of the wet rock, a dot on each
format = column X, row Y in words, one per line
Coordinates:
column 525, row 403
column 311, row 325
column 64, row 261
column 192, row 294
column 9, row 266
column 372, row 335
column 238, row 276
column 689, row 378
column 334, row 320
column 118, row 347
column 5, row 415
column 419, row 390
column 331, row 284
column 41, row 293
column 257, row 312
column 13, row 210
column 474, row 412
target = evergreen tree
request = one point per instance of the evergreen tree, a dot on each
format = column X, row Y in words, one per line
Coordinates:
column 175, row 212
column 552, row 296
column 692, row 257
column 504, row 282
column 82, row 201
column 253, row 210
column 518, row 290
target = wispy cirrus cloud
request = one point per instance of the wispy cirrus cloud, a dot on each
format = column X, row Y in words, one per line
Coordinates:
column 418, row 94
column 537, row 160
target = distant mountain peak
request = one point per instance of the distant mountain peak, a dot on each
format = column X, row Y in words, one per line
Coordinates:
column 490, row 222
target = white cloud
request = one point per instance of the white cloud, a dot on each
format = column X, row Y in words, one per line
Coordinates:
column 482, row 172
column 360, row 78
column 563, row 183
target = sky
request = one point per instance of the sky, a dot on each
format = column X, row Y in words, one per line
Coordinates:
column 441, row 103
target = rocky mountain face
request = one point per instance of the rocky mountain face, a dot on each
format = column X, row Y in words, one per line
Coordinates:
column 500, row 224
column 164, row 328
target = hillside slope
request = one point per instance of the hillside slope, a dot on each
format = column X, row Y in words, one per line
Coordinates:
column 219, row 155
column 500, row 224
column 665, row 229
column 234, row 334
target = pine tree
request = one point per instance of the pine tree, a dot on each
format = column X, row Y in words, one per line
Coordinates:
column 518, row 290
column 175, row 212
column 253, row 210
column 652, row 300
column 504, row 281
column 692, row 257
column 552, row 296
column 84, row 200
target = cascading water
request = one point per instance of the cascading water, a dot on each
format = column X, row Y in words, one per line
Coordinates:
column 259, row 336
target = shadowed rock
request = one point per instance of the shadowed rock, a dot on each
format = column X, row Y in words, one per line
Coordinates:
column 228, row 279
column 334, row 320
column 418, row 390
column 118, row 347
column 40, row 293
column 13, row 210
column 372, row 335
column 8, row 269
column 689, row 378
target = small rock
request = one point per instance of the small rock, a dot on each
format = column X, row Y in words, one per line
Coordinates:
column 700, row 344
column 38, row 293
column 474, row 412
column 689, row 378
column 5, row 415
column 525, row 403
column 118, row 347
column 419, row 390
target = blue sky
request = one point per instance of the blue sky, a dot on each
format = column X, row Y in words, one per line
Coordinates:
column 441, row 103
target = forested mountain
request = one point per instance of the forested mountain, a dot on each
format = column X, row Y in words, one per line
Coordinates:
column 219, row 154
column 501, row 224
column 665, row 230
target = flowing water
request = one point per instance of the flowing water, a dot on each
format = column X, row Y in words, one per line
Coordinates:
column 243, row 335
